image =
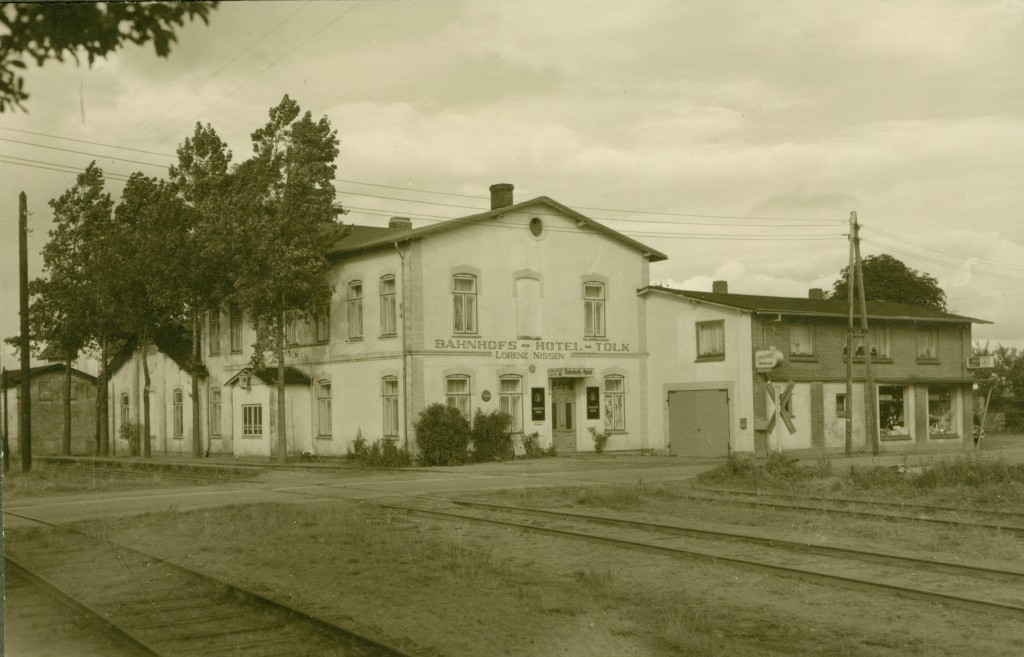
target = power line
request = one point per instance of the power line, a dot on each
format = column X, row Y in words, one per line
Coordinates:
column 83, row 141
column 942, row 251
column 68, row 150
column 6, row 160
column 974, row 271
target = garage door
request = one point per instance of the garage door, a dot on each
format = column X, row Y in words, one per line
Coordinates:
column 698, row 422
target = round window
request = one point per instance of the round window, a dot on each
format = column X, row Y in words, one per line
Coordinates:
column 536, row 226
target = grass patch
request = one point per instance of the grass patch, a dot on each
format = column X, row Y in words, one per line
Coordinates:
column 46, row 479
column 970, row 479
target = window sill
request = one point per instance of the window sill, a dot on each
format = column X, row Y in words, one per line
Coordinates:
column 874, row 359
column 943, row 436
column 595, row 338
column 256, row 437
column 354, row 340
column 323, row 437
column 707, row 359
column 178, row 437
column 803, row 358
column 927, row 361
column 388, row 336
column 895, row 437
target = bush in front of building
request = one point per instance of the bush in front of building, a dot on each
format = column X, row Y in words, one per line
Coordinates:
column 130, row 433
column 491, row 438
column 382, row 453
column 442, row 435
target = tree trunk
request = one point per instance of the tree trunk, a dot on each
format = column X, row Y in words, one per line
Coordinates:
column 197, row 442
column 102, row 411
column 147, row 450
column 65, row 447
column 282, row 440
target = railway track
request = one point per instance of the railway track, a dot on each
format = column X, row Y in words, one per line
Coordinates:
column 951, row 516
column 993, row 590
column 166, row 609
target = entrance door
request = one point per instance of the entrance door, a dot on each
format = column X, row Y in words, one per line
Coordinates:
column 563, row 414
column 698, row 422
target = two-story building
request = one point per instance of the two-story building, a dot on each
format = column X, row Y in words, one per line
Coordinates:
column 530, row 308
column 747, row 373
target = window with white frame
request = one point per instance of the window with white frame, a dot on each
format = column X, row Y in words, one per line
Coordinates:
column 126, row 416
column 235, row 329
column 928, row 343
column 711, row 339
column 179, row 413
column 615, row 403
column 593, row 310
column 464, row 303
column 457, row 394
column 322, row 321
column 291, row 327
column 252, row 420
column 214, row 330
column 880, row 343
column 510, row 400
column 801, row 340
column 215, row 412
column 388, row 307
column 893, row 412
column 942, row 415
column 355, row 310
column 323, row 409
column 389, row 395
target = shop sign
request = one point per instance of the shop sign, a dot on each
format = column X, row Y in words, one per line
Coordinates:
column 593, row 403
column 570, row 372
column 537, row 404
column 767, row 359
column 532, row 349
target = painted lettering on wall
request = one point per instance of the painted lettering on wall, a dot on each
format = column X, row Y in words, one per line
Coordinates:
column 531, row 349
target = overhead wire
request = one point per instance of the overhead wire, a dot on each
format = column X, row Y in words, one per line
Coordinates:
column 949, row 252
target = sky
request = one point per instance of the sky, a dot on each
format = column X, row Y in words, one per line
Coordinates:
column 735, row 137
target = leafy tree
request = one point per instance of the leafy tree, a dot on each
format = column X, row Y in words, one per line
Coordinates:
column 1007, row 377
column 51, row 30
column 888, row 279
column 80, row 293
column 200, row 180
column 442, row 435
column 282, row 208
column 150, row 254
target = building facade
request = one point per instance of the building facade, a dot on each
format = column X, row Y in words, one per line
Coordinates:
column 530, row 308
column 48, row 385
column 534, row 309
column 750, row 373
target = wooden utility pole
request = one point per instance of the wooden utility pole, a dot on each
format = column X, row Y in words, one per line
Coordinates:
column 850, row 274
column 25, row 404
column 870, row 421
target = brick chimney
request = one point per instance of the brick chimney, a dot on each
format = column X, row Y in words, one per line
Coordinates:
column 501, row 195
column 720, row 287
column 816, row 293
column 400, row 223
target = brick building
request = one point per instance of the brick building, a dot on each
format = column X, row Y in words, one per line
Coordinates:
column 47, row 405
column 753, row 373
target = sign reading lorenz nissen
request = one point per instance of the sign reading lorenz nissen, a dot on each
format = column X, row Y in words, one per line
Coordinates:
column 527, row 349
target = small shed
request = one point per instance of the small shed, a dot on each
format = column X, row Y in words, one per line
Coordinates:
column 47, row 384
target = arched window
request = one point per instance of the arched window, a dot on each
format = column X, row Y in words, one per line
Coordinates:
column 464, row 303
column 179, row 414
column 215, row 411
column 457, row 394
column 388, row 307
column 323, row 407
column 355, row 310
column 389, row 395
column 126, row 416
column 593, row 309
column 510, row 400
column 615, row 403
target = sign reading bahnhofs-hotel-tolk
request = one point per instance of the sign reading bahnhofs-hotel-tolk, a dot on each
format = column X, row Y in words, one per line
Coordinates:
column 531, row 349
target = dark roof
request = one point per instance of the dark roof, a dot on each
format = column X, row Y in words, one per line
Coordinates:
column 11, row 378
column 806, row 307
column 53, row 352
column 268, row 375
column 364, row 238
column 175, row 343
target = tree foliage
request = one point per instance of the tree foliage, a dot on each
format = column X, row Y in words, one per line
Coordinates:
column 442, row 435
column 75, row 304
column 1007, row 378
column 44, row 31
column 888, row 279
column 282, row 211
